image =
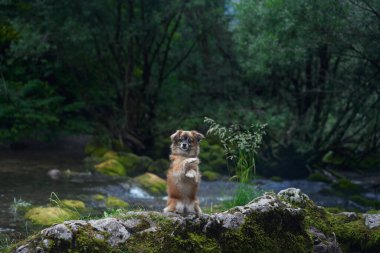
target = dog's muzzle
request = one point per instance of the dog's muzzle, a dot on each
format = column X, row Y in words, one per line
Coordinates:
column 184, row 146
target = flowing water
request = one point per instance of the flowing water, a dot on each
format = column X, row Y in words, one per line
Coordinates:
column 23, row 175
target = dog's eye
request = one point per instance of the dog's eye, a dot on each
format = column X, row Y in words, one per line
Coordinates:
column 180, row 139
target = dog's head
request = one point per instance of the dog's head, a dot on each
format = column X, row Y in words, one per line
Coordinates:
column 186, row 143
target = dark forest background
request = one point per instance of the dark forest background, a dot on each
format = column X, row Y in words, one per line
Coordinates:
column 132, row 72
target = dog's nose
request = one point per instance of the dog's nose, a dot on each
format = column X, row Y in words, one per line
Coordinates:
column 184, row 146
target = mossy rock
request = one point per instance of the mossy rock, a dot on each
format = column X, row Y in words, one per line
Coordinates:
column 134, row 164
column 98, row 197
column 74, row 204
column 111, row 167
column 110, row 155
column 50, row 215
column 211, row 176
column 114, row 202
column 95, row 150
column 159, row 167
column 152, row 183
column 285, row 222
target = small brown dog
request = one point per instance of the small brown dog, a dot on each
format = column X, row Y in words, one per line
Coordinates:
column 183, row 177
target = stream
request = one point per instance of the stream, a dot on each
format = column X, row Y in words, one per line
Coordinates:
column 23, row 175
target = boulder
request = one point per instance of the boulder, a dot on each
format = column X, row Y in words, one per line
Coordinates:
column 73, row 204
column 50, row 215
column 285, row 222
column 111, row 167
column 114, row 202
column 152, row 183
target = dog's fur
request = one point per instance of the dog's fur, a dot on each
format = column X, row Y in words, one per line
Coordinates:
column 183, row 177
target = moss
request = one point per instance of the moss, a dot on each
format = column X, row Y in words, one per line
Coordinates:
column 354, row 236
column 95, row 150
column 276, row 179
column 159, row 167
column 277, row 231
column 98, row 197
column 111, row 167
column 366, row 202
column 73, row 204
column 334, row 209
column 347, row 187
column 114, row 202
column 50, row 215
column 211, row 176
column 318, row 177
column 333, row 158
column 135, row 164
column 110, row 155
column 152, row 183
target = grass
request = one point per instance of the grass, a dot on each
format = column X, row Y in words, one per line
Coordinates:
column 243, row 195
column 19, row 205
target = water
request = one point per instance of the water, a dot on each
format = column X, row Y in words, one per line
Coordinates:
column 23, row 175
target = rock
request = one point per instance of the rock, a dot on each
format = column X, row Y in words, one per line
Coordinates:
column 211, row 176
column 110, row 155
column 135, row 164
column 351, row 216
column 60, row 232
column 98, row 197
column 372, row 220
column 152, row 183
column 114, row 202
column 74, row 204
column 246, row 229
column 95, row 150
column 284, row 222
column 111, row 167
column 54, row 174
column 295, row 196
column 50, row 215
column 322, row 243
column 116, row 230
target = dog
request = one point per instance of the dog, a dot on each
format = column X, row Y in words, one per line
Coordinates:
column 183, row 177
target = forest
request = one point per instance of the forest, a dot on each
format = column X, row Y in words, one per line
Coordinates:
column 131, row 72
column 281, row 97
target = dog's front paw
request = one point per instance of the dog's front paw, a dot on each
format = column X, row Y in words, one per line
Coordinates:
column 191, row 174
column 192, row 160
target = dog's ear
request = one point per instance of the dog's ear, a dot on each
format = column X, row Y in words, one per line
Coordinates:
column 198, row 136
column 176, row 135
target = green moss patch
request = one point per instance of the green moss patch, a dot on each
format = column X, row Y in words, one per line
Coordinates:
column 111, row 167
column 152, row 183
column 50, row 215
column 73, row 204
column 114, row 202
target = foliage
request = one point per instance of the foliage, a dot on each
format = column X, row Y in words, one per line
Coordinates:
column 240, row 144
column 19, row 204
column 131, row 72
